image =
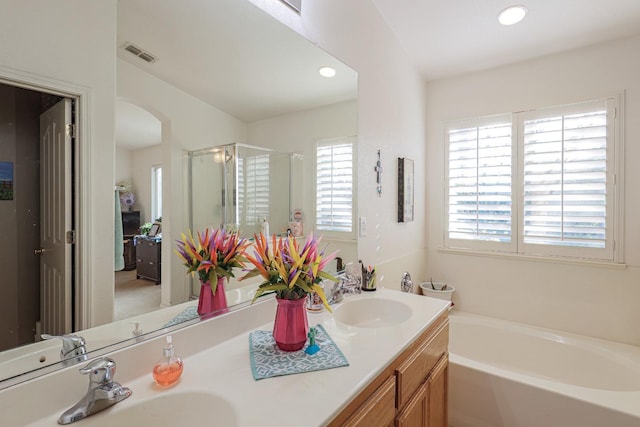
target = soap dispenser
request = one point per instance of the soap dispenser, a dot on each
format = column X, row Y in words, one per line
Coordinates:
column 169, row 370
column 265, row 228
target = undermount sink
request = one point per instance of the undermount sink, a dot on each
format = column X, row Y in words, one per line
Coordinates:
column 372, row 313
column 185, row 408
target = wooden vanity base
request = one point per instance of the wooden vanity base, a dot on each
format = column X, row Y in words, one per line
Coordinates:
column 411, row 391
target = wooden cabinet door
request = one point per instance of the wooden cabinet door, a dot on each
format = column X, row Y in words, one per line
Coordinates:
column 379, row 410
column 436, row 401
column 415, row 412
column 415, row 369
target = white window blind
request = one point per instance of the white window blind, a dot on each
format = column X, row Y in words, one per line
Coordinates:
column 541, row 182
column 565, row 177
column 334, row 185
column 480, row 175
column 253, row 186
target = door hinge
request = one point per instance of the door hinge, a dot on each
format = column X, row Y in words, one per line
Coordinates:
column 71, row 130
column 71, row 237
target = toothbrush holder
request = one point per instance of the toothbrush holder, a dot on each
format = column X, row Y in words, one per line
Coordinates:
column 369, row 280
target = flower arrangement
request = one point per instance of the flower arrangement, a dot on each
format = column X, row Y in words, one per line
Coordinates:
column 288, row 270
column 144, row 228
column 215, row 253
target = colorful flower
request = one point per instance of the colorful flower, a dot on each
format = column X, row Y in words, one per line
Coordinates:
column 215, row 253
column 288, row 270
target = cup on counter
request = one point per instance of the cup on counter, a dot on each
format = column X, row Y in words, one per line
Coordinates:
column 369, row 280
column 314, row 302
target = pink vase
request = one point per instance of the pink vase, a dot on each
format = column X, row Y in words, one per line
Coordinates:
column 212, row 304
column 291, row 327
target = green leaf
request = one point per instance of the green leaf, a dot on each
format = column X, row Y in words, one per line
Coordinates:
column 303, row 285
column 266, row 287
column 327, row 276
column 253, row 273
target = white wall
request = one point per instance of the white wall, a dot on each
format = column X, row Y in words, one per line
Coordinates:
column 123, row 166
column 597, row 301
column 73, row 41
column 187, row 124
column 390, row 118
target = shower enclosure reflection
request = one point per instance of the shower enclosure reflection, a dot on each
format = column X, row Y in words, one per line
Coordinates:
column 238, row 187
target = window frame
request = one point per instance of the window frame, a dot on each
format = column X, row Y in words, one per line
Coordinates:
column 600, row 254
column 254, row 194
column 472, row 244
column 156, row 202
column 613, row 251
column 336, row 234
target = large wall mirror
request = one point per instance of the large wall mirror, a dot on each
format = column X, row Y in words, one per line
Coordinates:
column 220, row 73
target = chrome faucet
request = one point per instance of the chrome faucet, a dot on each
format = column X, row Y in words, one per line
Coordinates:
column 347, row 284
column 103, row 391
column 73, row 347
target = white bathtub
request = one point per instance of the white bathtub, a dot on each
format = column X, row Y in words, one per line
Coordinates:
column 507, row 374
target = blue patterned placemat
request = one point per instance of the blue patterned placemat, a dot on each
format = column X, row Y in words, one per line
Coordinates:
column 267, row 360
column 188, row 314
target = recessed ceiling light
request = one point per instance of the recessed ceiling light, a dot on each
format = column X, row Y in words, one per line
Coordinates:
column 327, row 71
column 512, row 15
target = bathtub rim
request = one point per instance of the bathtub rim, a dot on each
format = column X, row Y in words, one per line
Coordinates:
column 621, row 401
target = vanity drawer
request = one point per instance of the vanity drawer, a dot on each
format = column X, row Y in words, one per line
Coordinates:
column 415, row 369
column 148, row 250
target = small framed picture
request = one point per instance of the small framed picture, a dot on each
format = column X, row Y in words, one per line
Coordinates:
column 405, row 190
column 155, row 230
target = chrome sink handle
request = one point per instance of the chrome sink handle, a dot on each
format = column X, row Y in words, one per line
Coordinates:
column 72, row 345
column 101, row 371
column 336, row 294
column 103, row 391
column 346, row 284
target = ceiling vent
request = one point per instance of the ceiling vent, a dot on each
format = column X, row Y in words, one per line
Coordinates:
column 140, row 53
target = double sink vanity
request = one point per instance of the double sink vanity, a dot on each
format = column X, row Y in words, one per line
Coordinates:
column 395, row 343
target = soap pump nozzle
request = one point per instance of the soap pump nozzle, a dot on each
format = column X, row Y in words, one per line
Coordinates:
column 168, row 350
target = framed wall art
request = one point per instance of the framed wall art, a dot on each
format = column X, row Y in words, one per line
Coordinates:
column 405, row 190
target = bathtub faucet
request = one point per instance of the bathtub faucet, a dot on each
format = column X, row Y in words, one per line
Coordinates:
column 103, row 391
column 406, row 284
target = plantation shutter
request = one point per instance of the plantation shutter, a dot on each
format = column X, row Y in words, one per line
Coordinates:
column 253, row 181
column 565, row 177
column 334, row 186
column 479, row 181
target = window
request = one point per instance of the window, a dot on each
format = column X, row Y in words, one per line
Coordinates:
column 253, row 183
column 480, row 181
column 334, row 185
column 156, row 193
column 537, row 183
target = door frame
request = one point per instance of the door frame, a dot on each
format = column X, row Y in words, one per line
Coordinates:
column 82, row 198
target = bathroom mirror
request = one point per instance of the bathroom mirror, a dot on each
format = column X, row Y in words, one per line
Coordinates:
column 256, row 86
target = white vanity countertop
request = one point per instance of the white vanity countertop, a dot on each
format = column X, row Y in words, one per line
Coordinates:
column 224, row 370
